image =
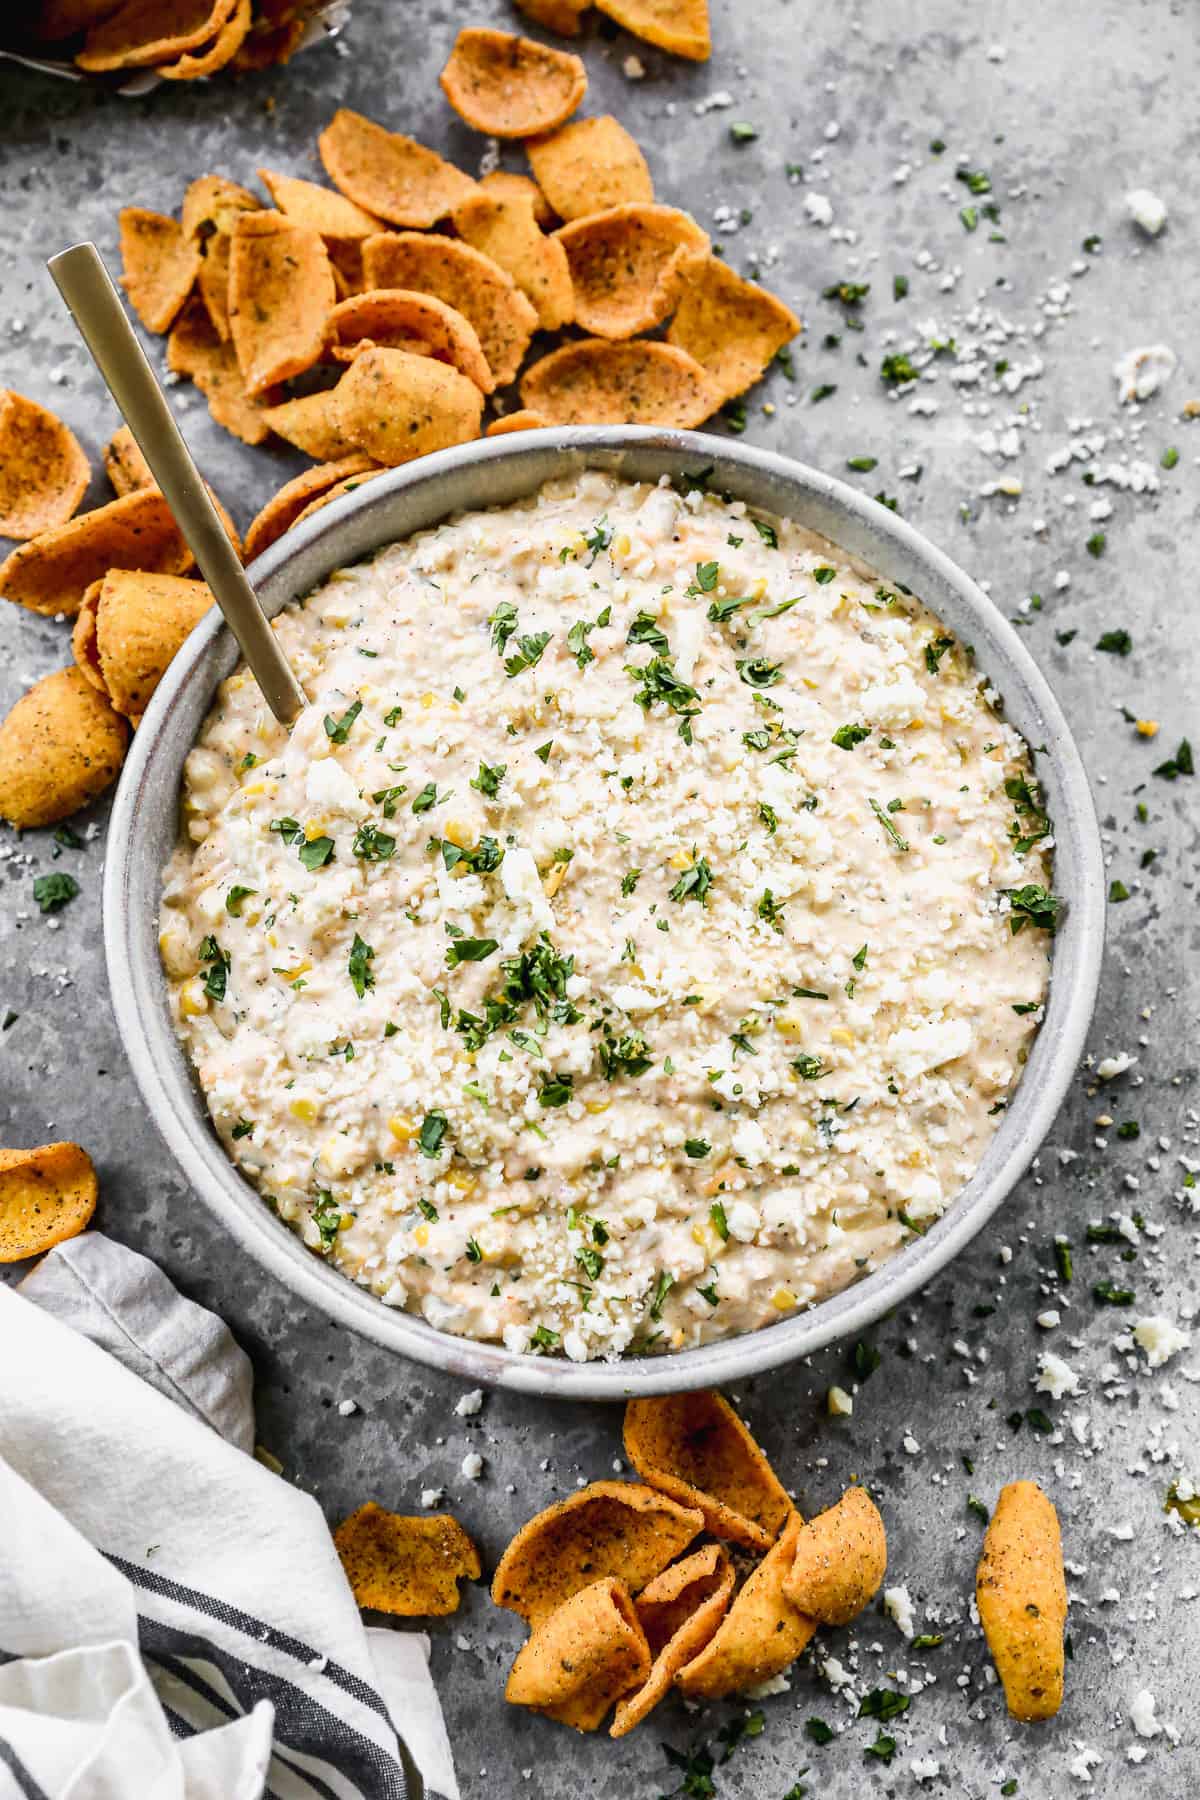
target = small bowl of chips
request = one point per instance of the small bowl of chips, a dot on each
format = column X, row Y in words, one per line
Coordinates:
column 344, row 511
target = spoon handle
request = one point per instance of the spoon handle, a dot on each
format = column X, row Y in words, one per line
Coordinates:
column 96, row 307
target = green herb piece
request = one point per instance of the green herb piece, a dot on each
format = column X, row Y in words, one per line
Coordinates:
column 823, row 392
column 847, row 736
column 659, row 682
column 975, row 1505
column 434, row 1127
column 734, row 412
column 662, row 1287
column 215, row 981
column 528, row 653
column 897, row 368
column 394, row 716
column 823, row 575
column 316, row 852
column 818, row 1731
column 599, row 537
column 862, row 465
column 975, row 180
column 1115, row 643
column 1129, row 1131
column 52, row 892
column 327, row 1217
column 361, row 956
column 695, row 881
column 1032, row 905
column 427, row 1210
column 808, row 1067
column 935, row 649
column 927, row 1640
column 757, row 672
column 1108, row 1294
column 884, row 1748
column 466, row 949
column 970, row 217
column 426, row 800
column 884, row 1704
column 624, row 1055
column 1062, row 1259
column 388, row 798
column 1096, row 543
column 556, row 1090
column 766, row 532
column 741, row 133
column 488, row 780
column 1182, row 763
column 591, row 1262
column 720, row 1223
column 1117, row 891
column 503, row 623
column 371, row 844
column 629, row 881
column 864, row 1360
column 696, row 1148
column 338, row 730
column 899, row 287
column 646, row 629
column 234, row 898
column 901, row 843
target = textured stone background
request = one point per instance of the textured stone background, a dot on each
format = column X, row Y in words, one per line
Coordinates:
column 1086, row 101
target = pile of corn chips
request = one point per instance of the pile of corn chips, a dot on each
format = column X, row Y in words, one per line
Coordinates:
column 373, row 321
column 180, row 40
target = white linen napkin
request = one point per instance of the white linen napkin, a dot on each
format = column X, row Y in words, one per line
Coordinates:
column 174, row 1621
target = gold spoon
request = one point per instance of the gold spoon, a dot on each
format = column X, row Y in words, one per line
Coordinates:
column 96, row 307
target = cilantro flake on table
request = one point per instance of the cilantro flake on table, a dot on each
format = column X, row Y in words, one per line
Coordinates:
column 54, row 891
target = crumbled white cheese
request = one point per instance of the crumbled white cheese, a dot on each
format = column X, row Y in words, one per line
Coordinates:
column 1055, row 1377
column 1140, row 372
column 472, row 1465
column 1147, row 210
column 469, row 1403
column 897, row 1604
column 1109, row 1067
column 1160, row 1338
column 1143, row 1714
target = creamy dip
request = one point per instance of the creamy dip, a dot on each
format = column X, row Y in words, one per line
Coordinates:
column 637, row 937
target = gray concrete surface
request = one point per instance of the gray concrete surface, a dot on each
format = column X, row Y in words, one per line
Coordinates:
column 1067, row 108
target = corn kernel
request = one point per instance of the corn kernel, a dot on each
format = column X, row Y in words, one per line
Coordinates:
column 783, row 1299
column 624, row 544
column 402, row 1129
column 464, row 1183
column 1147, row 728
column 303, row 1109
column 680, row 860
column 554, row 880
column 264, row 729
column 421, row 1235
column 838, row 1403
column 314, row 829
column 458, row 832
column 759, row 589
column 596, row 1106
column 677, row 1338
column 842, row 1036
column 427, row 700
column 255, row 787
column 192, row 999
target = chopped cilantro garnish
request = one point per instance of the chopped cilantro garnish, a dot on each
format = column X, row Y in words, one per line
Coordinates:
column 1108, row 1294
column 361, row 956
column 1115, row 643
column 234, row 898
column 466, row 949
column 696, row 1148
column 720, row 1223
column 694, row 882
column 935, row 649
column 897, row 368
column 556, row 1090
column 647, row 630
column 847, row 736
column 808, row 1067
column 1032, row 905
column 662, row 1287
column 757, row 672
column 488, row 780
column 629, row 881
column 215, row 981
column 338, row 730
column 316, row 852
column 660, row 682
column 54, row 891
column 528, row 653
column 503, row 623
column 434, row 1127
column 426, row 800
column 387, row 798
column 327, row 1218
column 901, row 843
column 372, row 844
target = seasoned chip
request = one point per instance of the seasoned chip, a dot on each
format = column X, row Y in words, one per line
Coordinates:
column 595, row 382
column 346, row 260
column 396, row 406
column 83, row 639
column 160, row 265
column 46, row 1196
column 56, row 19
column 505, row 185
column 43, row 470
column 608, row 1528
column 472, row 283
column 280, row 294
column 346, row 486
column 194, row 65
column 410, row 1567
column 840, row 1561
column 401, row 319
column 562, row 16
column 279, row 28
column 141, row 620
column 679, row 1611
column 509, row 86
column 320, row 209
column 311, row 423
column 625, row 266
column 680, row 26
column 733, row 327
column 524, row 420
column 210, row 210
column 503, row 226
column 582, row 1658
column 388, row 174
column 60, row 746
column 695, row 1448
column 142, row 32
column 1021, row 1593
column 51, row 573
column 126, row 467
column 760, row 1634
column 195, row 349
column 589, row 165
column 296, row 496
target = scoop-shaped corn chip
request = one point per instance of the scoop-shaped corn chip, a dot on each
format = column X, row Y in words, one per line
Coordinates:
column 388, row 174
column 695, row 1448
column 589, row 165
column 60, row 746
column 680, row 26
column 509, row 86
column 280, row 294
column 346, row 486
column 1021, row 1592
column 840, row 1561
column 679, row 1612
column 410, row 1567
column 396, row 406
column 279, row 28
column 46, row 1196
column 141, row 621
column 503, row 226
column 607, row 1528
column 733, row 327
column 562, row 16
column 296, row 496
column 465, row 279
column 345, row 256
column 401, row 319
column 523, row 420
column 160, row 265
column 124, row 464
column 319, row 208
column 43, row 470
column 142, row 32
column 194, row 65
column 195, row 349
column 83, row 639
column 760, row 1634
column 582, row 1658
column 625, row 265
column 311, row 423
column 506, row 185
column 51, row 573
column 595, row 382
column 210, row 209
column 56, row 19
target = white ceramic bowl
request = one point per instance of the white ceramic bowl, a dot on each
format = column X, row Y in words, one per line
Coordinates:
column 494, row 472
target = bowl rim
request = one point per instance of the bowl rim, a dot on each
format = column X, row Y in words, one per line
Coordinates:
column 207, row 1169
